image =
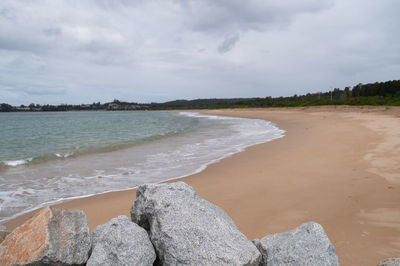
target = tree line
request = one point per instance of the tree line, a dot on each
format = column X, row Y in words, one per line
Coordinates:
column 378, row 93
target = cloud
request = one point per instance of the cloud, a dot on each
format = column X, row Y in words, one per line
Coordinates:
column 228, row 43
column 219, row 15
column 46, row 91
column 52, row 31
column 98, row 50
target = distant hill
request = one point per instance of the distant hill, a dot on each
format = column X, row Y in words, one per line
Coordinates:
column 198, row 103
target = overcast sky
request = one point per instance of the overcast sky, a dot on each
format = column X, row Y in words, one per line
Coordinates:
column 54, row 51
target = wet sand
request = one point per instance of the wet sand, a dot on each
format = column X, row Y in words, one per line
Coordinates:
column 339, row 167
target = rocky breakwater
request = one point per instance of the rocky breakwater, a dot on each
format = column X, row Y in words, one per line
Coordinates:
column 171, row 225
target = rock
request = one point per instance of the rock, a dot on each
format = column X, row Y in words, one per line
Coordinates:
column 305, row 245
column 3, row 235
column 188, row 230
column 390, row 262
column 121, row 242
column 52, row 236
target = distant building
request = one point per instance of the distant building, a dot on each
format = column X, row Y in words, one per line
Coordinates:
column 113, row 106
column 25, row 108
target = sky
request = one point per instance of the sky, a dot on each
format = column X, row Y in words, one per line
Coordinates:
column 54, row 52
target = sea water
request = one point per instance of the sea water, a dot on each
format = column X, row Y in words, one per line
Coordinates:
column 51, row 157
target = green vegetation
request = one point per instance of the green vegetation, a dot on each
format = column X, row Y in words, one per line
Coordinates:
column 362, row 100
column 379, row 93
column 382, row 93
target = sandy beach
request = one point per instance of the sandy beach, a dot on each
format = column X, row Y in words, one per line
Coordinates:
column 339, row 167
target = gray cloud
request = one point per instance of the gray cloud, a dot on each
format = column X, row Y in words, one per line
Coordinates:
column 46, row 91
column 219, row 15
column 228, row 43
column 52, row 31
column 98, row 50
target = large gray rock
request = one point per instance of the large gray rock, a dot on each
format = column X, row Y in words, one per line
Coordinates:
column 188, row 230
column 390, row 262
column 51, row 237
column 121, row 242
column 305, row 245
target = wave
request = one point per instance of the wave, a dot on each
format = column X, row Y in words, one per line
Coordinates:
column 212, row 117
column 81, row 151
column 64, row 155
column 16, row 162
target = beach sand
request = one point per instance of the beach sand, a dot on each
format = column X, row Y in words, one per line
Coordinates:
column 338, row 166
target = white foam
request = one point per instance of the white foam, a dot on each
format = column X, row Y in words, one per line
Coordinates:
column 215, row 117
column 17, row 162
column 64, row 155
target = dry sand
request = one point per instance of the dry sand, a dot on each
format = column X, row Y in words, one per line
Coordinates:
column 339, row 167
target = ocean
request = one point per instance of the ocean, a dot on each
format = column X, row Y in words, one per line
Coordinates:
column 51, row 157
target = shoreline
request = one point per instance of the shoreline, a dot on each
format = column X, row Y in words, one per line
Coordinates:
column 259, row 134
column 328, row 168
